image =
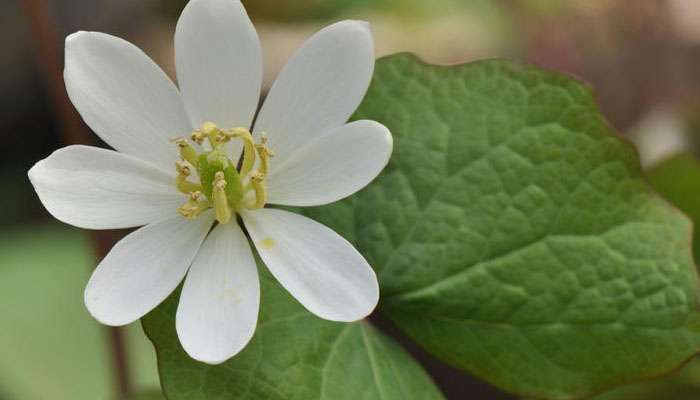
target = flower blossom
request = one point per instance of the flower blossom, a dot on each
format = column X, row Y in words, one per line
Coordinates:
column 191, row 162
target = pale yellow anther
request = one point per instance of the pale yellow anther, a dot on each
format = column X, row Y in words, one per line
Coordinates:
column 181, row 183
column 264, row 153
column 222, row 211
column 198, row 137
column 186, row 151
column 183, row 169
column 223, row 137
column 257, row 181
column 193, row 207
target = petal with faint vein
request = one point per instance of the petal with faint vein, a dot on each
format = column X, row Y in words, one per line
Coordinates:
column 124, row 97
column 219, row 302
column 96, row 188
column 219, row 64
column 143, row 268
column 321, row 269
column 319, row 88
column 332, row 166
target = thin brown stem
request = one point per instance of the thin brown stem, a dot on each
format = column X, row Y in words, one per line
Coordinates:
column 72, row 131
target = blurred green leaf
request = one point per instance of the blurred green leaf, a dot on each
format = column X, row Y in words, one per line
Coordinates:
column 51, row 347
column 312, row 9
column 682, row 385
column 294, row 355
column 513, row 234
column 678, row 180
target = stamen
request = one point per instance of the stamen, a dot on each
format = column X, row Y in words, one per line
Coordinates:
column 186, row 151
column 211, row 131
column 257, row 180
column 219, row 180
column 193, row 207
column 248, row 148
column 264, row 153
column 181, row 183
column 222, row 211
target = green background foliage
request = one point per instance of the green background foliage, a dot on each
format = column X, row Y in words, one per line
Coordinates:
column 678, row 180
column 51, row 347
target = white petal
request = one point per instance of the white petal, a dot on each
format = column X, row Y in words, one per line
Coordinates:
column 143, row 268
column 219, row 64
column 218, row 307
column 319, row 88
column 332, row 166
column 124, row 97
column 317, row 266
column 95, row 188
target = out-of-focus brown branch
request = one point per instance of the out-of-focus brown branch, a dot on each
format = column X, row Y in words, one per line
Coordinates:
column 50, row 63
column 72, row 131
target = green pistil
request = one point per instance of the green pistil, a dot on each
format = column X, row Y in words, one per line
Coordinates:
column 211, row 162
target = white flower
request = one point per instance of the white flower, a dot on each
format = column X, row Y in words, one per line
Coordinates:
column 318, row 159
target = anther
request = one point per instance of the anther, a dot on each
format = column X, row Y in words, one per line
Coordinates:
column 223, row 137
column 222, row 211
column 193, row 207
column 257, row 180
column 198, row 137
column 264, row 153
column 181, row 183
column 186, row 151
column 183, row 169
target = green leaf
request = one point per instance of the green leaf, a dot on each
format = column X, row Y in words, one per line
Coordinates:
column 682, row 385
column 294, row 355
column 513, row 234
column 50, row 345
column 678, row 180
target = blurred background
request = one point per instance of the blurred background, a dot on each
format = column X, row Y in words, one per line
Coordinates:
column 641, row 56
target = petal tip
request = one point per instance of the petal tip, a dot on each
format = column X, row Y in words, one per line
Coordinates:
column 350, row 26
column 93, row 307
column 207, row 355
column 76, row 36
column 32, row 173
column 360, row 23
column 211, row 359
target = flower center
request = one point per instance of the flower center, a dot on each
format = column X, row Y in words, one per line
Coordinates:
column 221, row 184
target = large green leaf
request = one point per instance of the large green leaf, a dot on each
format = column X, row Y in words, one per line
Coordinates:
column 294, row 355
column 678, row 180
column 513, row 234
